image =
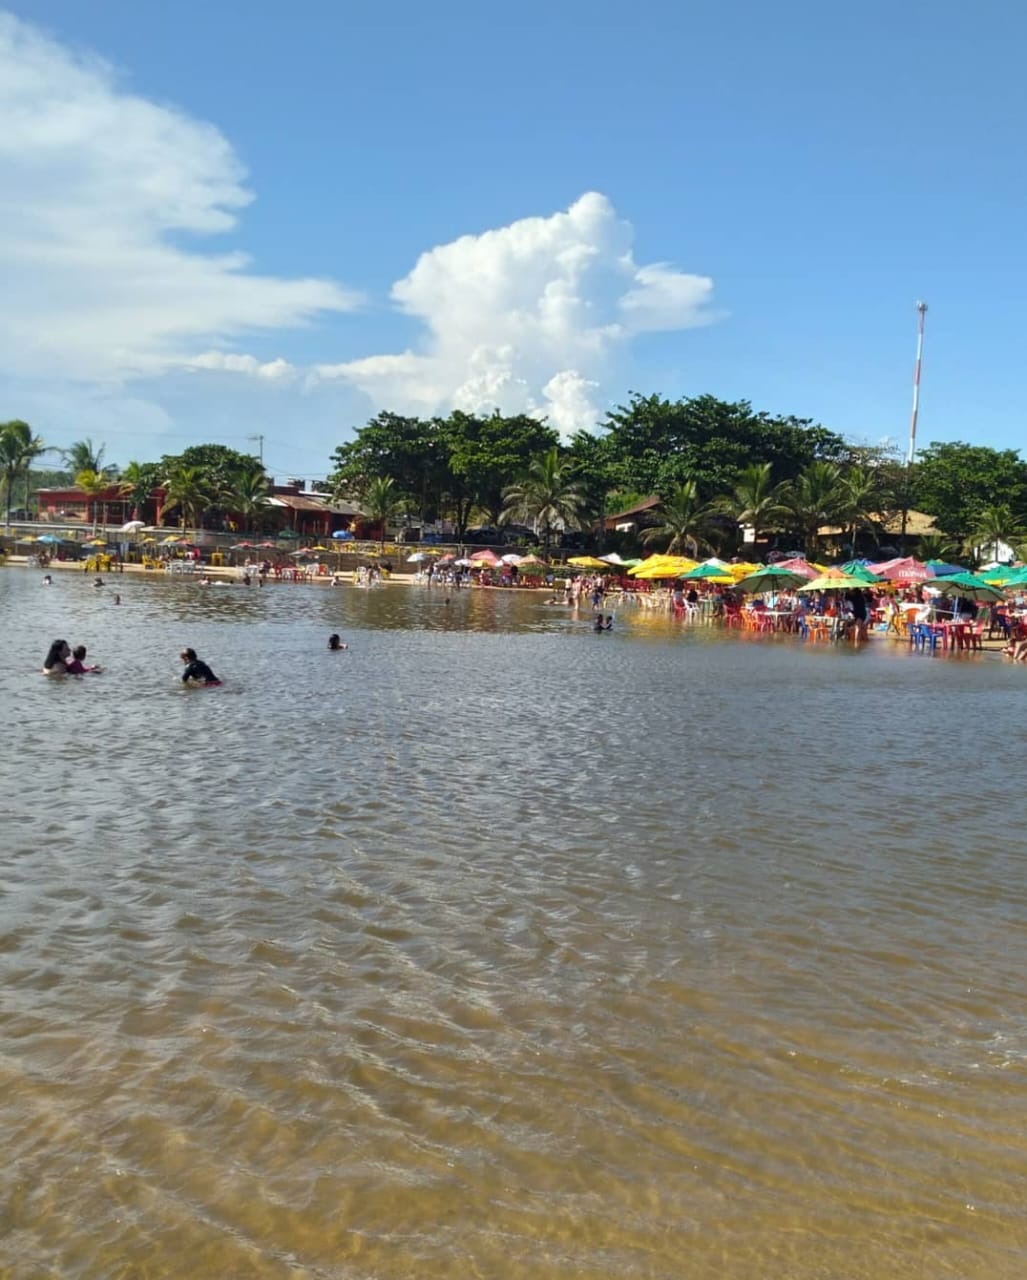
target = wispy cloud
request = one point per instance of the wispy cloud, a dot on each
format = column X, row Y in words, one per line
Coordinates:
column 97, row 187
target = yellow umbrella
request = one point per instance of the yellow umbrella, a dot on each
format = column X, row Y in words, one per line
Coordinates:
column 588, row 562
column 663, row 567
column 833, row 581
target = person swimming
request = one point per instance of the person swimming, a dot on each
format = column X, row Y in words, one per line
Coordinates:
column 334, row 642
column 196, row 670
column 47, row 580
column 56, row 662
column 77, row 666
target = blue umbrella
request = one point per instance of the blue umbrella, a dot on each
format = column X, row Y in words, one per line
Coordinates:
column 343, row 535
column 51, row 538
column 943, row 570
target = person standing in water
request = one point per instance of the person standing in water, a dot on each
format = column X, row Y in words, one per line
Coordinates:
column 335, row 643
column 56, row 661
column 196, row 670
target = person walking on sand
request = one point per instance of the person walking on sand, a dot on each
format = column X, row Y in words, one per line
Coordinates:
column 196, row 670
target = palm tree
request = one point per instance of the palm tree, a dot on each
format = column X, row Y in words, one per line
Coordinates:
column 755, row 500
column 92, row 483
column 996, row 524
column 187, row 488
column 547, row 497
column 82, row 456
column 861, row 496
column 19, row 448
column 247, row 493
column 936, row 546
column 685, row 520
column 815, row 497
column 136, row 483
column 381, row 502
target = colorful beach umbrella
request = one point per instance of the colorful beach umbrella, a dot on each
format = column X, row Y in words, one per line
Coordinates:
column 903, row 569
column 706, row 573
column 969, row 586
column 833, row 580
column 770, row 578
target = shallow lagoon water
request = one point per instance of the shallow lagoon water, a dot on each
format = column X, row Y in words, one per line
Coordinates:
column 491, row 947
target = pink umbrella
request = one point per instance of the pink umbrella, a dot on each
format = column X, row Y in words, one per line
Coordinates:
column 903, row 569
column 799, row 565
column 485, row 557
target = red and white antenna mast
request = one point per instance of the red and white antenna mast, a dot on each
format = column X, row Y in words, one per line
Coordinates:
column 921, row 308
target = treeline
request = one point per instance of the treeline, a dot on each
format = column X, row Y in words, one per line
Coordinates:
column 715, row 466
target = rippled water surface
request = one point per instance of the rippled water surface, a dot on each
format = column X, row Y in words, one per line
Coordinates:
column 494, row 948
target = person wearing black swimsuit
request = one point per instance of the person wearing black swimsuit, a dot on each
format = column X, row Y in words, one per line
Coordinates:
column 196, row 669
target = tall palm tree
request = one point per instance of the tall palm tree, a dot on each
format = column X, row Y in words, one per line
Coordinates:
column 861, row 496
column 92, row 483
column 380, row 502
column 247, row 493
column 685, row 520
column 756, row 500
column 19, row 448
column 81, row 455
column 996, row 524
column 188, row 489
column 815, row 497
column 547, row 496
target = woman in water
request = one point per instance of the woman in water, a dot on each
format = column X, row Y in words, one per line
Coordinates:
column 335, row 643
column 56, row 663
column 196, row 670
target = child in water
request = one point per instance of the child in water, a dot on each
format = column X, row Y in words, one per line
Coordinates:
column 77, row 667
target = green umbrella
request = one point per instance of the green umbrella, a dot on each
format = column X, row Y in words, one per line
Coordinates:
column 967, row 585
column 856, row 569
column 770, row 579
column 704, row 571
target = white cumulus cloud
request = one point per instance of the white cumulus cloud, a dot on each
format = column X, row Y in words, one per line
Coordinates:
column 529, row 317
column 97, row 187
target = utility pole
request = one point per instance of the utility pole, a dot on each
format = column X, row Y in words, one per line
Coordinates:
column 260, row 442
column 921, row 311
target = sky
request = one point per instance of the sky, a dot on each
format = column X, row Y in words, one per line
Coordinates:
column 257, row 224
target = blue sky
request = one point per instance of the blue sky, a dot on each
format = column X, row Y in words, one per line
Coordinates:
column 542, row 208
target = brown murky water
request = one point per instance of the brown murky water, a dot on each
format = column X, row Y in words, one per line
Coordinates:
column 493, row 948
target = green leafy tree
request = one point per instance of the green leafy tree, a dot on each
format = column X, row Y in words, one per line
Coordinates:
column 955, row 483
column 411, row 452
column 685, row 520
column 19, row 448
column 486, row 454
column 547, row 496
column 655, row 443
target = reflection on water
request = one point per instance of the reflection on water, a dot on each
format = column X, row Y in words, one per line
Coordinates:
column 492, row 947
